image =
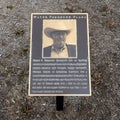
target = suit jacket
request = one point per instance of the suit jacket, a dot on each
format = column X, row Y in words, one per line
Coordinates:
column 71, row 51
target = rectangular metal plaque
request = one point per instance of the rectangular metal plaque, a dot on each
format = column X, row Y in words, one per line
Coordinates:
column 59, row 55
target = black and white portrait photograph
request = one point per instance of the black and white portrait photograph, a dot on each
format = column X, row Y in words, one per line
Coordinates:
column 59, row 39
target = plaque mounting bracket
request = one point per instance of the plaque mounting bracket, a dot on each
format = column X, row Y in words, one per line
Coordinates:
column 59, row 103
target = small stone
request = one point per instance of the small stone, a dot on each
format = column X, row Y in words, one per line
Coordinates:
column 38, row 115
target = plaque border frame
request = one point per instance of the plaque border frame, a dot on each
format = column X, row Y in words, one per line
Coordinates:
column 29, row 94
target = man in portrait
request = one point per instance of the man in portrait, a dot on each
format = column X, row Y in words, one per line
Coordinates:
column 59, row 48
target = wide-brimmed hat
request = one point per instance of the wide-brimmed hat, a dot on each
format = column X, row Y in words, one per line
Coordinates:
column 49, row 31
column 57, row 26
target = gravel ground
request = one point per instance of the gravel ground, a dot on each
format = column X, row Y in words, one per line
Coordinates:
column 104, row 25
